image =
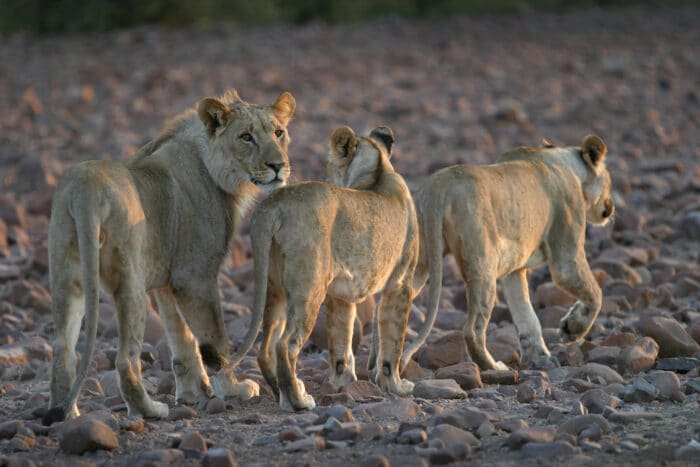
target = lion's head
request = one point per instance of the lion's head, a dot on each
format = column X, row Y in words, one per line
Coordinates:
column 597, row 186
column 356, row 162
column 247, row 143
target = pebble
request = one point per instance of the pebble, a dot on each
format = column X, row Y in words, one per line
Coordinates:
column 312, row 443
column 639, row 391
column 86, row 433
column 361, row 389
column 448, row 350
column 466, row 374
column 673, row 340
column 375, row 461
column 668, row 386
column 182, row 412
column 638, row 357
column 501, row 377
column 438, row 389
column 193, row 440
column 399, row 409
column 219, row 457
column 162, row 457
column 596, row 400
column 597, row 372
column 532, row 434
column 678, row 364
column 415, row 436
column 449, row 434
column 215, row 405
column 538, row 450
column 630, row 417
column 525, row 393
column 580, row 423
column 466, row 418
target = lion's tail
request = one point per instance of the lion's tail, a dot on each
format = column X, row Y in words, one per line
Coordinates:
column 262, row 229
column 87, row 225
column 432, row 209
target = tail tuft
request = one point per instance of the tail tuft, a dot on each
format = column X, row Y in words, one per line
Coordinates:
column 57, row 414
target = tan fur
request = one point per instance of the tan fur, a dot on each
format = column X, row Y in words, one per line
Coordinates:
column 314, row 241
column 497, row 221
column 161, row 222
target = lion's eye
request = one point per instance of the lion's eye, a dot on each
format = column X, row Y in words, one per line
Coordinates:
column 279, row 133
column 247, row 137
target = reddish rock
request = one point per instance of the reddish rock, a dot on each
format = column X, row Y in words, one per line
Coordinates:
column 365, row 311
column 195, row 441
column 505, row 377
column 450, row 434
column 219, row 457
column 548, row 295
column 359, row 390
column 11, row 211
column 447, row 350
column 466, row 374
column 29, row 294
column 319, row 335
column 673, row 340
column 86, row 433
column 532, row 434
column 638, row 357
column 155, row 329
column 413, row 371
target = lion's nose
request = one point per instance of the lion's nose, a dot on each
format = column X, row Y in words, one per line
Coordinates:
column 276, row 166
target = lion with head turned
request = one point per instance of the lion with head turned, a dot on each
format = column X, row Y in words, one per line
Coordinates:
column 162, row 222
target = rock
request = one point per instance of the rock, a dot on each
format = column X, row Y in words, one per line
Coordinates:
column 450, row 434
column 345, row 431
column 631, row 417
column 182, row 412
column 453, row 453
column 447, row 350
column 360, row 390
column 9, row 428
column 365, row 311
column 338, row 412
column 155, row 329
column 193, row 440
column 22, row 352
column 690, row 452
column 319, row 335
column 313, row 443
column 678, row 364
column 11, row 211
column 135, row 425
column 376, row 460
column 576, row 425
column 402, row 409
column 619, row 339
column 549, row 450
column 690, row 225
column 219, row 457
column 673, row 340
column 639, row 391
column 511, row 425
column 162, row 457
column 466, row 374
column 215, row 405
column 466, row 418
column 505, row 377
column 29, row 294
column 86, row 433
column 504, row 345
column 529, row 435
column 291, row 433
column 407, row 461
column 596, row 400
column 549, row 295
column 415, row 436
column 603, row 354
column 166, row 384
column 668, row 386
column 109, row 380
column 598, row 372
column 438, row 389
column 525, row 393
column 413, row 371
column 638, row 357
column 618, row 270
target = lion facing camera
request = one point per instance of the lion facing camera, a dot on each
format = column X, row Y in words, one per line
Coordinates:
column 162, row 222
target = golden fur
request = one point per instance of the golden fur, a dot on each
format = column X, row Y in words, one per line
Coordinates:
column 162, row 222
column 497, row 221
column 340, row 242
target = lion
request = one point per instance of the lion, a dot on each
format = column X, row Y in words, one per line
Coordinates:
column 499, row 220
column 162, row 222
column 342, row 241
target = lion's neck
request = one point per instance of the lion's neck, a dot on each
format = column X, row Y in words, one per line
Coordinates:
column 569, row 156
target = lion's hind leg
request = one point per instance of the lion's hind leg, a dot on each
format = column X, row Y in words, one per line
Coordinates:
column 302, row 316
column 192, row 384
column 131, row 303
column 533, row 350
column 481, row 297
column 273, row 327
column 392, row 321
column 68, row 306
column 340, row 324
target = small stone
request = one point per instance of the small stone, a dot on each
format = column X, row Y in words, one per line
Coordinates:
column 219, row 457
column 596, row 371
column 579, row 423
column 668, row 385
column 338, row 412
column 215, row 405
column 631, row 417
column 415, row 436
column 678, row 364
column 466, row 418
column 345, row 432
column 690, row 452
column 438, row 389
column 529, row 435
column 182, row 412
column 511, row 425
column 291, row 433
column 485, row 430
column 195, row 441
column 84, row 434
column 504, row 377
column 450, row 434
column 312, row 443
column 639, row 391
column 593, row 433
column 447, row 350
column 9, row 428
column 596, row 400
column 376, row 460
column 525, row 393
column 673, row 340
column 466, row 374
column 162, row 457
column 166, row 384
column 638, row 357
column 549, row 295
column 603, row 354
column 360, row 390
column 549, row 450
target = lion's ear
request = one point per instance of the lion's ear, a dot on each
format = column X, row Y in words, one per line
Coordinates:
column 384, row 136
column 213, row 113
column 343, row 142
column 593, row 151
column 284, row 107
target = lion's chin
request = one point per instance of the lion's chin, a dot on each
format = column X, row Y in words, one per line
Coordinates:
column 269, row 187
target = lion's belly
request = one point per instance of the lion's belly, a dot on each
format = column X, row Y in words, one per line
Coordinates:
column 354, row 284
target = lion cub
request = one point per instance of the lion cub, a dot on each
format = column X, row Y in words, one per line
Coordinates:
column 314, row 241
column 498, row 220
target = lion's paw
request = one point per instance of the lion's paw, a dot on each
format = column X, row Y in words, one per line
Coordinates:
column 499, row 365
column 404, row 388
column 574, row 324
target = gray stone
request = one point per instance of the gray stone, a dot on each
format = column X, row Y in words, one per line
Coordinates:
column 219, row 457
column 450, row 434
column 596, row 400
column 529, row 435
column 466, row 418
column 162, row 457
column 668, row 385
column 193, row 440
column 580, row 423
column 596, row 372
column 312, row 443
column 438, row 389
column 640, row 391
column 415, row 436
column 678, row 364
column 549, row 450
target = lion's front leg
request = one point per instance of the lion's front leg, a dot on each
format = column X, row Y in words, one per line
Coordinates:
column 392, row 321
column 533, row 350
column 202, row 311
column 340, row 323
column 575, row 277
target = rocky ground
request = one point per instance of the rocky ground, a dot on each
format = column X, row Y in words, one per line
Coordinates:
column 454, row 90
